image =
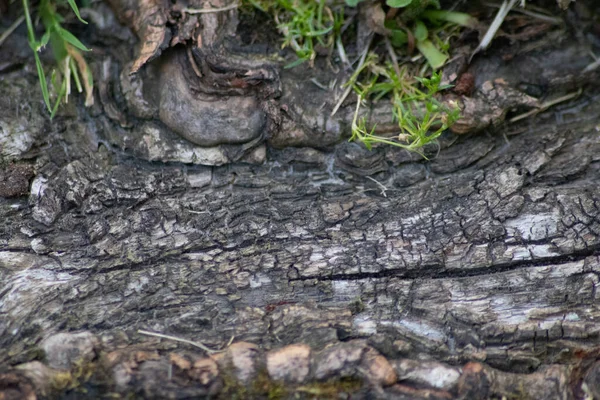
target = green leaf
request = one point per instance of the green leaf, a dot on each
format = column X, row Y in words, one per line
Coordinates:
column 352, row 3
column 398, row 3
column 43, row 83
column 44, row 41
column 75, row 75
column 295, row 63
column 319, row 32
column 61, row 94
column 399, row 38
column 58, row 45
column 76, row 10
column 420, row 32
column 53, row 78
column 454, row 17
column 434, row 57
column 68, row 36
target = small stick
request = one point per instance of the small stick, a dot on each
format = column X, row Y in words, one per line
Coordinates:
column 193, row 62
column 349, row 88
column 392, row 55
column 540, row 16
column 592, row 66
column 11, row 29
column 381, row 186
column 210, row 9
column 341, row 51
column 491, row 32
column 319, row 84
column 547, row 105
column 196, row 344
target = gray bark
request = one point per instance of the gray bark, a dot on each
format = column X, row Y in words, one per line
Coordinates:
column 489, row 255
column 472, row 275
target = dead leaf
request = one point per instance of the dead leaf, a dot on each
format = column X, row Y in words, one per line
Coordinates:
column 149, row 22
column 374, row 16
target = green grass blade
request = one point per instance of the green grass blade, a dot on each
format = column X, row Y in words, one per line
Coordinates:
column 420, row 31
column 398, row 3
column 34, row 46
column 45, row 39
column 76, row 10
column 75, row 75
column 68, row 36
column 295, row 63
column 63, row 89
column 454, row 17
column 30, row 31
column 434, row 57
column 43, row 84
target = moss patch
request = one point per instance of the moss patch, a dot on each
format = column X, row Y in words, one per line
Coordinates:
column 262, row 387
column 331, row 389
column 86, row 380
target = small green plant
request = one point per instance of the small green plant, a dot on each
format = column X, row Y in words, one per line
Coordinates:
column 399, row 77
column 304, row 24
column 420, row 116
column 406, row 24
column 67, row 53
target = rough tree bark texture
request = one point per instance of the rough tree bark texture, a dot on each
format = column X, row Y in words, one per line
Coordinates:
column 470, row 276
column 487, row 253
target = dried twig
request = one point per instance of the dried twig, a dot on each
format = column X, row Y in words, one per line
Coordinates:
column 591, row 67
column 381, row 186
column 195, row 67
column 491, row 32
column 177, row 339
column 341, row 51
column 363, row 57
column 538, row 15
column 546, row 105
column 393, row 57
column 11, row 29
column 210, row 9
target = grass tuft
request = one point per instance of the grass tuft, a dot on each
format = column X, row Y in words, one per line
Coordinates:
column 400, row 77
column 67, row 50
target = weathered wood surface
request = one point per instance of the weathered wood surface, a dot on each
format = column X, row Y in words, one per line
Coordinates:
column 491, row 255
column 473, row 274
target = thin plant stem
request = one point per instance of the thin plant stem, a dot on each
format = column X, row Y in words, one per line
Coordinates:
column 11, row 29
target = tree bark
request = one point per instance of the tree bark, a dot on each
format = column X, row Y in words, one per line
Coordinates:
column 472, row 275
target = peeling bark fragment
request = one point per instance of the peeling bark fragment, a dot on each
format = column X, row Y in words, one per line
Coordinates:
column 149, row 19
column 489, row 106
column 430, row 374
column 379, row 370
column 291, row 363
column 242, row 358
column 63, row 351
column 480, row 382
column 341, row 360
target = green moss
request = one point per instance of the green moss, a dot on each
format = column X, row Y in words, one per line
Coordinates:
column 262, row 387
column 331, row 389
column 81, row 372
column 86, row 380
column 357, row 306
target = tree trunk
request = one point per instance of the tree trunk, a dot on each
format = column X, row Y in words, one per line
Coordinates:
column 472, row 275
